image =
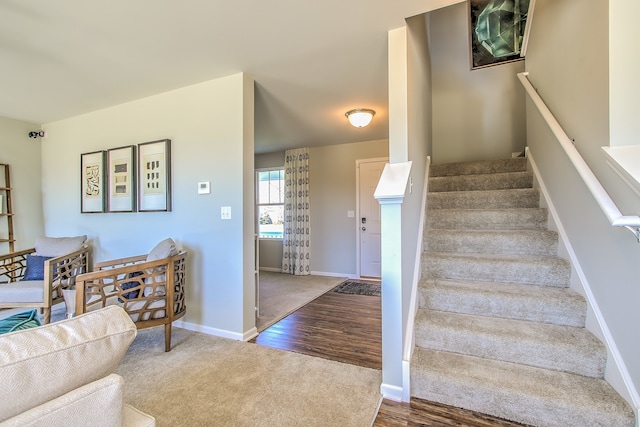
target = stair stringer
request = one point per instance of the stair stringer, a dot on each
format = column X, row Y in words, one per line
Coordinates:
column 616, row 373
column 409, row 333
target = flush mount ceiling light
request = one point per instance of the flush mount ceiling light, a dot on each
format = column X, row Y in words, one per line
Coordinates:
column 360, row 117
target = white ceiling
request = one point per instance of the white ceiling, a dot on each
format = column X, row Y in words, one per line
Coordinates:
column 311, row 60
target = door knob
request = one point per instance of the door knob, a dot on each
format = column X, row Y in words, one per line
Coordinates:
column 364, row 228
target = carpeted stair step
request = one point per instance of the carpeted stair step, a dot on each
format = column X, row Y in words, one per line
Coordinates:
column 492, row 241
column 525, row 269
column 544, row 345
column 497, row 181
column 488, row 199
column 518, row 164
column 488, row 219
column 561, row 306
column 529, row 395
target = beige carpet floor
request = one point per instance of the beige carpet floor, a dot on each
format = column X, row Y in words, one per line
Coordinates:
column 282, row 294
column 211, row 381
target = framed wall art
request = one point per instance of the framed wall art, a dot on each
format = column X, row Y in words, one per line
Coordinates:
column 92, row 182
column 497, row 31
column 121, row 175
column 154, row 176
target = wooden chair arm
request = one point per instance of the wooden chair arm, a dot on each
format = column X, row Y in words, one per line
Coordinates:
column 60, row 272
column 13, row 265
column 120, row 262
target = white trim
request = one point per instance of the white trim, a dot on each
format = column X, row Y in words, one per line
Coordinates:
column 409, row 336
column 246, row 336
column 330, row 274
column 273, row 269
column 630, row 393
column 625, row 161
column 391, row 392
column 406, row 380
column 357, row 222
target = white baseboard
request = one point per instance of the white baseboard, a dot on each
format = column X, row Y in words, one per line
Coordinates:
column 272, row 269
column 330, row 274
column 223, row 333
column 619, row 376
column 391, row 392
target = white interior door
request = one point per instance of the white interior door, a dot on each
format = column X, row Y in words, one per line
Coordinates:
column 369, row 218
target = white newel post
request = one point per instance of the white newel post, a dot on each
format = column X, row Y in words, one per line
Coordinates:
column 390, row 194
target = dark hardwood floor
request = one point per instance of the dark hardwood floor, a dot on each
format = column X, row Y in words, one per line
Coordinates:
column 342, row 327
column 348, row 329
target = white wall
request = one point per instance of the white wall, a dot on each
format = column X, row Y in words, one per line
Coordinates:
column 210, row 125
column 624, row 69
column 479, row 114
column 332, row 170
column 332, row 181
column 419, row 146
column 23, row 156
column 574, row 83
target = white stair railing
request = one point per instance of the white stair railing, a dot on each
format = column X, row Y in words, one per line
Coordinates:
column 613, row 214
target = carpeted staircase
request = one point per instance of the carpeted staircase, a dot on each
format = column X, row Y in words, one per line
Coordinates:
column 498, row 330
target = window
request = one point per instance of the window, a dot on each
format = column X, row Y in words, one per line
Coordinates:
column 270, row 203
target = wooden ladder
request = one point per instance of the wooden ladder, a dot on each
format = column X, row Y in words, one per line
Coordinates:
column 8, row 213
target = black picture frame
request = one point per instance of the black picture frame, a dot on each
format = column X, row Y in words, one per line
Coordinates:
column 154, row 176
column 497, row 31
column 92, row 182
column 121, row 179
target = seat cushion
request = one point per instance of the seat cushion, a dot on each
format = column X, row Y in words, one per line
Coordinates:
column 58, row 246
column 40, row 364
column 24, row 291
column 132, row 307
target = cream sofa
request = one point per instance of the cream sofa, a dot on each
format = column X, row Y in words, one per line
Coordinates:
column 63, row 373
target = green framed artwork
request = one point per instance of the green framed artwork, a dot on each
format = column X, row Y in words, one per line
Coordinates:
column 498, row 31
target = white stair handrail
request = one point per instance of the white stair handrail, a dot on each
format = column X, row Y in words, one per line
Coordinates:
column 613, row 214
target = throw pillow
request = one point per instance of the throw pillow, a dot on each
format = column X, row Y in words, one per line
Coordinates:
column 58, row 246
column 129, row 285
column 35, row 267
column 164, row 249
column 20, row 321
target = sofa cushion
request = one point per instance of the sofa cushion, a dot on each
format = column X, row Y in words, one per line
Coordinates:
column 58, row 246
column 43, row 363
column 99, row 403
column 20, row 321
column 25, row 291
column 35, row 267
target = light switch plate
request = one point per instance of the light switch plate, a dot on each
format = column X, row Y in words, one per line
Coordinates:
column 225, row 212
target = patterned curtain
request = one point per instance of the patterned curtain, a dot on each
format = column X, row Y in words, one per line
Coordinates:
column 296, row 243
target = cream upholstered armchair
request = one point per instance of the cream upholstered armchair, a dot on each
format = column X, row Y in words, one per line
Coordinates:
column 150, row 288
column 36, row 277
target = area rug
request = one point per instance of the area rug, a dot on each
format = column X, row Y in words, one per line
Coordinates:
column 211, row 381
column 359, row 288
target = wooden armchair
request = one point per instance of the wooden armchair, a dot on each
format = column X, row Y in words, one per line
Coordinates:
column 59, row 273
column 151, row 292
